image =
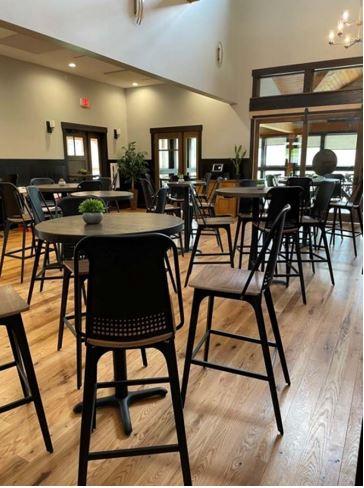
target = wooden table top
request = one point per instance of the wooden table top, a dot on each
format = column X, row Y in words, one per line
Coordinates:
column 243, row 192
column 186, row 183
column 72, row 229
column 56, row 188
column 105, row 194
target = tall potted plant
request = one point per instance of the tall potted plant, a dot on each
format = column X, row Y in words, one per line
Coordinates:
column 132, row 165
column 238, row 158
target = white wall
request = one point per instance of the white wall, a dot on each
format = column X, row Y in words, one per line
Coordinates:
column 168, row 106
column 31, row 94
column 177, row 40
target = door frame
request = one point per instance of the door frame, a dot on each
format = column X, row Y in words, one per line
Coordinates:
column 175, row 129
column 102, row 131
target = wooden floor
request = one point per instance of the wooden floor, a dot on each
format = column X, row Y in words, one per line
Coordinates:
column 231, row 431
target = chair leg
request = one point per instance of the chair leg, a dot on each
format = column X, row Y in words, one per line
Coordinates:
column 300, row 267
column 268, row 362
column 181, row 244
column 277, row 335
column 63, row 311
column 237, row 231
column 341, row 224
column 38, row 251
column 242, row 244
column 230, row 245
column 193, row 254
column 323, row 234
column 5, row 241
column 353, row 232
column 178, row 412
column 219, row 240
column 144, row 357
column 190, row 341
column 170, row 272
column 19, row 362
column 333, row 229
column 46, row 256
column 88, row 406
column 310, row 250
column 23, row 253
column 22, row 343
column 288, row 264
column 360, row 217
column 210, row 309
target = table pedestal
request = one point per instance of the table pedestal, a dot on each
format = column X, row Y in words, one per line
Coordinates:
column 122, row 398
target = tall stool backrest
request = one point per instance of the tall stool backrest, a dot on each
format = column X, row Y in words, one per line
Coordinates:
column 105, row 183
column 339, row 178
column 273, row 240
column 69, row 205
column 41, row 181
column 246, row 204
column 161, row 200
column 279, row 197
column 321, row 204
column 148, row 193
column 128, row 299
column 36, row 200
column 357, row 195
column 90, row 185
column 305, row 183
column 12, row 202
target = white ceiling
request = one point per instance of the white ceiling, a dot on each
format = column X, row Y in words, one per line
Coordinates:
column 49, row 53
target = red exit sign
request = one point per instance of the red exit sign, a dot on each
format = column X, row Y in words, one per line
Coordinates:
column 85, row 102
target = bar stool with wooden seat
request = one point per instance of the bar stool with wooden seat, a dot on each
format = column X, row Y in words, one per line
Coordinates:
column 15, row 212
column 11, row 308
column 206, row 225
column 128, row 306
column 247, row 286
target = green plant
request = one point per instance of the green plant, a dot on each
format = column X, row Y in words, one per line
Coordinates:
column 239, row 155
column 82, row 171
column 91, row 205
column 132, row 163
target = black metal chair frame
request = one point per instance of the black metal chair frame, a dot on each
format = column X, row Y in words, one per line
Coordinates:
column 206, row 225
column 19, row 204
column 274, row 237
column 96, row 347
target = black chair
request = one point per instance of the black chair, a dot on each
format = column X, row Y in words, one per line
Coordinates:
column 48, row 199
column 131, row 267
column 306, row 184
column 206, row 225
column 11, row 308
column 11, row 178
column 337, row 194
column 105, row 182
column 37, row 205
column 15, row 212
column 244, row 217
column 150, row 198
column 90, row 185
column 70, row 207
column 207, row 203
column 352, row 205
column 317, row 221
column 247, row 286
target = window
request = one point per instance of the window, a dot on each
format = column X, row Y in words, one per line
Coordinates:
column 75, row 146
column 344, row 146
column 95, row 156
column 281, row 85
column 275, row 151
column 168, row 155
column 313, row 147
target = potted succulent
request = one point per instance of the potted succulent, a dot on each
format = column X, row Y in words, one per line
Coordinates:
column 132, row 165
column 92, row 210
column 238, row 158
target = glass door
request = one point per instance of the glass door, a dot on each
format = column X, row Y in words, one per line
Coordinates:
column 191, row 153
column 167, row 154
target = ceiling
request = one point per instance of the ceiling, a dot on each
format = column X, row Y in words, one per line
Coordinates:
column 49, row 53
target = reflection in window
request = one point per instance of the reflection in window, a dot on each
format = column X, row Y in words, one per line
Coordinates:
column 338, row 79
column 281, row 85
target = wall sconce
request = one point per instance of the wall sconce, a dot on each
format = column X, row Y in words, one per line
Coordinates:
column 117, row 133
column 50, row 124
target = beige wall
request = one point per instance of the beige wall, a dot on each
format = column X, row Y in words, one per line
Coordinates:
column 167, row 106
column 177, row 40
column 31, row 94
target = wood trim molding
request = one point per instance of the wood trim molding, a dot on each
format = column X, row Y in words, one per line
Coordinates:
column 82, row 127
column 182, row 128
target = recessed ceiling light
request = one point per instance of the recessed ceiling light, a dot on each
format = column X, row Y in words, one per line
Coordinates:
column 135, row 83
column 72, row 65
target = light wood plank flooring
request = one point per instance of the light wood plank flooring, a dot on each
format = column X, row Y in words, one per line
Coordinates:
column 231, row 430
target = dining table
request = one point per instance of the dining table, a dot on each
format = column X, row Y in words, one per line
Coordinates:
column 57, row 187
column 107, row 195
column 256, row 194
column 70, row 230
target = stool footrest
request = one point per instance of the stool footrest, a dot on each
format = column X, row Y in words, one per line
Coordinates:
column 8, row 365
column 228, row 369
column 142, row 381
column 15, row 404
column 136, row 451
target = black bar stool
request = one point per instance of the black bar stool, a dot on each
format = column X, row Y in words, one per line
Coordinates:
column 128, row 306
column 241, row 285
column 11, row 307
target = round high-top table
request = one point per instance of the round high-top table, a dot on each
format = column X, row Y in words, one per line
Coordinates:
column 71, row 230
column 57, row 188
column 104, row 194
column 255, row 194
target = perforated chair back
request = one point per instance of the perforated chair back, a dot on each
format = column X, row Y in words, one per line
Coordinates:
column 321, row 204
column 128, row 301
column 305, row 183
column 41, row 181
column 148, row 193
column 279, row 197
column 105, row 183
column 273, row 240
column 69, row 205
column 36, row 202
column 90, row 185
column 12, row 202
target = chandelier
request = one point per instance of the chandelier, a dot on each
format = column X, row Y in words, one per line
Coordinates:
column 348, row 31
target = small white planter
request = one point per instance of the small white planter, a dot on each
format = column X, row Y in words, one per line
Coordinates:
column 92, row 218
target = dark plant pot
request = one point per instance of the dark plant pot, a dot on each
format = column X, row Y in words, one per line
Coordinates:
column 92, row 218
column 134, row 200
